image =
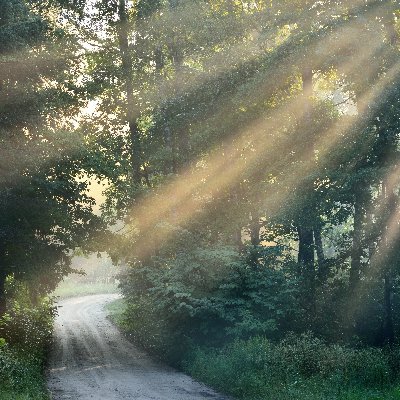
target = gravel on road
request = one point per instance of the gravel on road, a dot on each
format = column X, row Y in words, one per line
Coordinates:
column 91, row 359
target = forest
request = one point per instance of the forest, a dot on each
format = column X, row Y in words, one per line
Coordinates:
column 249, row 155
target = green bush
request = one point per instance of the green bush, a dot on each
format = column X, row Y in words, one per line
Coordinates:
column 297, row 367
column 21, row 372
column 25, row 332
column 208, row 295
column 28, row 326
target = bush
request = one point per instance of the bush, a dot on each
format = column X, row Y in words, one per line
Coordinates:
column 26, row 326
column 297, row 367
column 208, row 295
column 21, row 372
column 25, row 332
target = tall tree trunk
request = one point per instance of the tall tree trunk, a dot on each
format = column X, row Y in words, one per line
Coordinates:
column 127, row 70
column 3, row 302
column 181, row 136
column 306, row 248
column 255, row 229
column 357, row 249
column 306, row 256
column 388, row 329
column 388, row 326
column 322, row 267
column 306, row 260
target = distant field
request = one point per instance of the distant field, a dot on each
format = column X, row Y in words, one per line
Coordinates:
column 72, row 289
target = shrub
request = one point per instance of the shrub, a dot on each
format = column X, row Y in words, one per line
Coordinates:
column 297, row 367
column 208, row 295
column 25, row 332
column 20, row 371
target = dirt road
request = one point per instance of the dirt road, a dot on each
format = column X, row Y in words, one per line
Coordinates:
column 90, row 359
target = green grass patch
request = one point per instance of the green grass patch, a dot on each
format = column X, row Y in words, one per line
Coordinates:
column 68, row 289
column 116, row 311
column 11, row 395
column 298, row 368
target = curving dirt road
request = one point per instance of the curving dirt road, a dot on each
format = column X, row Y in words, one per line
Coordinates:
column 90, row 359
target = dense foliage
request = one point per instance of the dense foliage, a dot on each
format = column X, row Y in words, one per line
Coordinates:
column 45, row 210
column 25, row 332
column 298, row 368
column 260, row 195
column 251, row 154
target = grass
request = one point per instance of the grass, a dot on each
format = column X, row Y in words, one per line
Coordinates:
column 300, row 368
column 115, row 311
column 68, row 289
column 11, row 395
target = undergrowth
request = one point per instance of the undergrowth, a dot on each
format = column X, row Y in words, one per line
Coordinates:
column 25, row 334
column 300, row 367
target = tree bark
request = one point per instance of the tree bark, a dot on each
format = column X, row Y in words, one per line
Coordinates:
column 356, row 250
column 255, row 229
column 127, row 70
column 322, row 270
column 306, row 256
column 306, row 260
column 388, row 329
column 3, row 300
column 306, row 247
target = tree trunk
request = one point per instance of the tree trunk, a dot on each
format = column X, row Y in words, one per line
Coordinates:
column 356, row 250
column 181, row 137
column 322, row 267
column 127, row 70
column 306, row 260
column 255, row 230
column 388, row 329
column 3, row 302
column 306, row 247
column 306, row 256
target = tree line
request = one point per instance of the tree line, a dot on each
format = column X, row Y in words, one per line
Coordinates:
column 251, row 150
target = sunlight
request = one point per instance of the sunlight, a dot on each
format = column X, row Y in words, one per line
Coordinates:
column 191, row 191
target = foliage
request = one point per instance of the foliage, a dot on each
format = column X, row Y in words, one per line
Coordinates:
column 21, row 375
column 208, row 295
column 25, row 333
column 298, row 368
column 45, row 210
column 252, row 151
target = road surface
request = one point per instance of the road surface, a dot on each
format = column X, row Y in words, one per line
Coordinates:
column 90, row 359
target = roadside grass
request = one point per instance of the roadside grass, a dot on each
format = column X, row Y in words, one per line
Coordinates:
column 12, row 395
column 68, row 289
column 115, row 311
column 299, row 368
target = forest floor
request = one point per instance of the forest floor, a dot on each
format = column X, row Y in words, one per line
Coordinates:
column 91, row 359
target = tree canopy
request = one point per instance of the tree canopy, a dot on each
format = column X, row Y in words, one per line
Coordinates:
column 251, row 149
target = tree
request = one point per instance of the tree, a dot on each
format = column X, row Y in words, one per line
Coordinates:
column 45, row 211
